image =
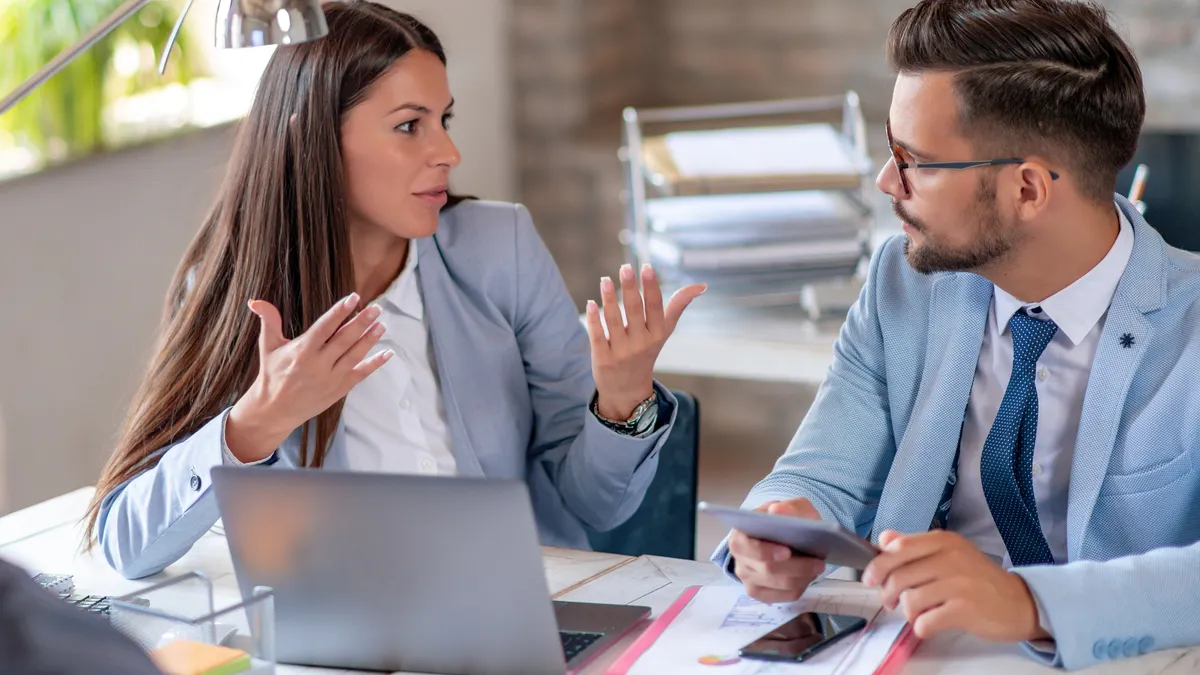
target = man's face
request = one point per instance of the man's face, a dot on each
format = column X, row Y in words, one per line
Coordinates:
column 951, row 217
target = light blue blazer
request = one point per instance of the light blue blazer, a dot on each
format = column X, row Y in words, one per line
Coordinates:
column 514, row 364
column 874, row 451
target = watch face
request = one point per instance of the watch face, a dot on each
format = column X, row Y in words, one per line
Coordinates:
column 647, row 419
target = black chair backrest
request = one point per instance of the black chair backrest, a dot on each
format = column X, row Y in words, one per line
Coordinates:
column 665, row 523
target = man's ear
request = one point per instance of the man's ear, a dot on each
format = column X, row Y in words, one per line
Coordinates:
column 1034, row 187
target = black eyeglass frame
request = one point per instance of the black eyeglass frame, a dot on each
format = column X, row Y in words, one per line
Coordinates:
column 902, row 165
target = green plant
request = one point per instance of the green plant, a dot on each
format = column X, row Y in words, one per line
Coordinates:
column 63, row 118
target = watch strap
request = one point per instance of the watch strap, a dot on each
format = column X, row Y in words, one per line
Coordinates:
column 642, row 421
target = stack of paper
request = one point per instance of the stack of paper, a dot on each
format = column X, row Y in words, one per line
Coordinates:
column 772, row 241
column 761, row 210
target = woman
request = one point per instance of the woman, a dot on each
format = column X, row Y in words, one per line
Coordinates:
column 428, row 334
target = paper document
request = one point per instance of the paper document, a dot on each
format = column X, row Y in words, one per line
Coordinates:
column 704, row 638
column 786, row 254
column 764, row 151
column 756, row 209
column 754, row 219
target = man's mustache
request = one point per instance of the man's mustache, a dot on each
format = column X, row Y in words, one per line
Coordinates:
column 904, row 217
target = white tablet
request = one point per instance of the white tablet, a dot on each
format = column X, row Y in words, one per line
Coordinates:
column 814, row 538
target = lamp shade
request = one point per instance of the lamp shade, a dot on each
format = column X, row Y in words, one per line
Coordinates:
column 254, row 23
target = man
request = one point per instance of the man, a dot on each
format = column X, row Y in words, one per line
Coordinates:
column 42, row 635
column 1012, row 413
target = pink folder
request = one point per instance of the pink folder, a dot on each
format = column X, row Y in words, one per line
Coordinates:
column 892, row 664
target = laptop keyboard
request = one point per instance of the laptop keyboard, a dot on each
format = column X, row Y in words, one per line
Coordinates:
column 573, row 644
column 95, row 604
column 63, row 585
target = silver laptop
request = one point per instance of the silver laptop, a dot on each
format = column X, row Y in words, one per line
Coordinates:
column 406, row 573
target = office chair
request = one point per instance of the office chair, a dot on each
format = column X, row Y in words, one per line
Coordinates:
column 665, row 523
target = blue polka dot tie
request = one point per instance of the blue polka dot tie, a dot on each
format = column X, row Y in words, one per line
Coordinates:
column 1007, row 465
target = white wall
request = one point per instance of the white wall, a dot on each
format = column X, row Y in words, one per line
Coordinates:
column 86, row 251
column 3, row 487
column 85, row 255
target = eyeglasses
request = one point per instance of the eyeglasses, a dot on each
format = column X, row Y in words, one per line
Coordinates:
column 901, row 164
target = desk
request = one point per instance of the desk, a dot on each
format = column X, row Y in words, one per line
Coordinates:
column 45, row 538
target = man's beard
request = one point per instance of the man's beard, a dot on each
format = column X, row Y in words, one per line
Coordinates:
column 993, row 240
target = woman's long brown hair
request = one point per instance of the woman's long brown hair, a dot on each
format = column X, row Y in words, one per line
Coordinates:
column 276, row 232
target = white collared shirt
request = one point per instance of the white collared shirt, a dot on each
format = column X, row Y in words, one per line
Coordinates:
column 1079, row 310
column 395, row 420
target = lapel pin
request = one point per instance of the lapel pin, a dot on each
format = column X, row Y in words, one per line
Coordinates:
column 1127, row 340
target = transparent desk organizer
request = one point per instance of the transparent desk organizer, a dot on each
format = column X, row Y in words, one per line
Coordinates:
column 186, row 608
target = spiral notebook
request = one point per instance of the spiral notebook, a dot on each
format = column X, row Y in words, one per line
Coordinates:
column 702, row 631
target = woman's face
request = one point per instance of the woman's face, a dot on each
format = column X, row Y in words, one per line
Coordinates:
column 396, row 149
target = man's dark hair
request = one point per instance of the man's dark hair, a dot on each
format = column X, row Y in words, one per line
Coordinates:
column 1032, row 77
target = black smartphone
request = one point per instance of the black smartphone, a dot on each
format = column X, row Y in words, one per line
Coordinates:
column 802, row 637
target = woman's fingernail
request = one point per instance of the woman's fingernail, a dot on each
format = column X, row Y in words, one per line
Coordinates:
column 591, row 307
column 626, row 273
column 647, row 272
column 781, row 554
column 351, row 301
column 378, row 329
column 868, row 579
column 606, row 284
column 388, row 354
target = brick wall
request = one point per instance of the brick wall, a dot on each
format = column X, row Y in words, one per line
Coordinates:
column 576, row 63
column 721, row 50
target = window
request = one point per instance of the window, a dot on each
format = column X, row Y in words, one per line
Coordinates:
column 130, row 103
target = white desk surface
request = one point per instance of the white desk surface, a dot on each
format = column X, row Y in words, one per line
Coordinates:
column 45, row 538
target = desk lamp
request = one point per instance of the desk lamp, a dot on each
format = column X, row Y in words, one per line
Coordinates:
column 240, row 23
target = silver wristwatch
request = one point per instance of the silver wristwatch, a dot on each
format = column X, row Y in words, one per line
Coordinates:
column 643, row 419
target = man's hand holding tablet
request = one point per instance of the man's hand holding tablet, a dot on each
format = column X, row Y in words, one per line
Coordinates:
column 778, row 549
